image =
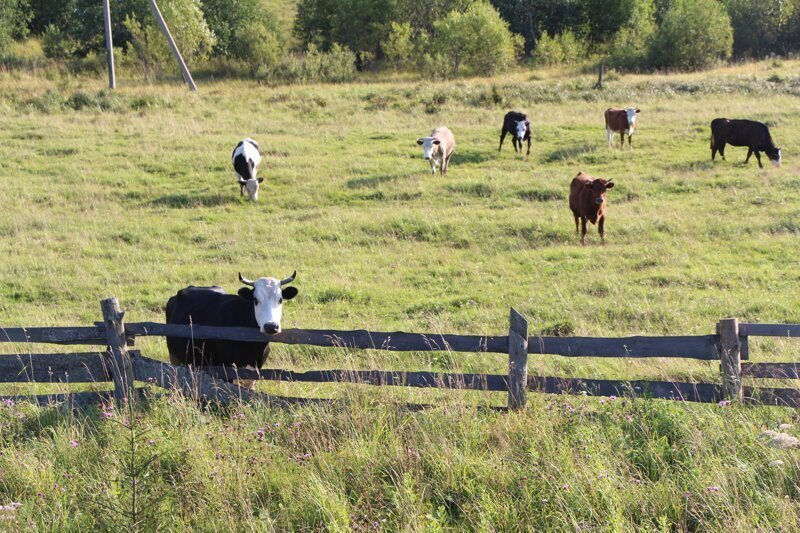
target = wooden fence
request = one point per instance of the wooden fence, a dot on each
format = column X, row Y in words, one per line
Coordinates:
column 123, row 366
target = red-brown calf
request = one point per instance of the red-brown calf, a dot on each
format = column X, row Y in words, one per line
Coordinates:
column 587, row 200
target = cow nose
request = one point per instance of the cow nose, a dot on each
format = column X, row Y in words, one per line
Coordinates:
column 427, row 158
column 598, row 201
column 271, row 328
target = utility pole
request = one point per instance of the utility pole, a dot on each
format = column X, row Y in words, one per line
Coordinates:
column 187, row 76
column 112, row 78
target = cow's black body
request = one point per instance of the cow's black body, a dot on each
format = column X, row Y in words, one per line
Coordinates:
column 210, row 306
column 754, row 135
column 510, row 126
column 241, row 164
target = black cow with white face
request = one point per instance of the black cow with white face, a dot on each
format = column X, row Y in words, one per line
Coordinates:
column 257, row 307
column 518, row 125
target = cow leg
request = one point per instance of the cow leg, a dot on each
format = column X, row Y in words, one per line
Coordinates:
column 433, row 167
column 713, row 152
column 721, row 150
column 514, row 141
column 622, row 140
column 601, row 229
column 610, row 136
column 583, row 230
column 758, row 158
column 502, row 138
column 577, row 218
column 629, row 141
column 529, row 146
column 749, row 153
column 241, row 190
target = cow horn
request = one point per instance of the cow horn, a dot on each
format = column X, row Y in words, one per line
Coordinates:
column 290, row 278
column 246, row 281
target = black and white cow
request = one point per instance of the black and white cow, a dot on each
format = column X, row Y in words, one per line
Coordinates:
column 257, row 307
column 245, row 158
column 518, row 125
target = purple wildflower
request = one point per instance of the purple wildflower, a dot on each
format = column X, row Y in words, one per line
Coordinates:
column 73, row 443
column 724, row 403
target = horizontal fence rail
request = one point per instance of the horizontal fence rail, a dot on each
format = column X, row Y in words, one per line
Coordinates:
column 116, row 363
column 53, row 368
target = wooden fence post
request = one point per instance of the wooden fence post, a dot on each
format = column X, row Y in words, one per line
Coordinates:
column 730, row 357
column 120, row 361
column 517, row 360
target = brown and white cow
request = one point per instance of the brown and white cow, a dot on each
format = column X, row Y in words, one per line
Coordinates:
column 622, row 121
column 437, row 148
column 587, row 200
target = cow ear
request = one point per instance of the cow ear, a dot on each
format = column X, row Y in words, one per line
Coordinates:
column 609, row 185
column 246, row 293
column 260, row 180
column 638, row 110
column 420, row 141
column 436, row 141
column 289, row 292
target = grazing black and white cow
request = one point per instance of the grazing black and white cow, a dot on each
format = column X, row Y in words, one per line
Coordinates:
column 259, row 306
column 754, row 135
column 518, row 125
column 245, row 158
column 622, row 121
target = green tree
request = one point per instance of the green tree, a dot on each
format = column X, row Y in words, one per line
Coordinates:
column 245, row 30
column 532, row 18
column 604, row 18
column 399, row 46
column 477, row 39
column 694, row 34
column 630, row 47
column 760, row 28
column 14, row 16
column 360, row 25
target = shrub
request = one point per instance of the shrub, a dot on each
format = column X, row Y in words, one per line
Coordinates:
column 336, row 66
column 14, row 16
column 694, row 34
column 631, row 45
column 761, row 28
column 563, row 48
column 478, row 39
column 398, row 47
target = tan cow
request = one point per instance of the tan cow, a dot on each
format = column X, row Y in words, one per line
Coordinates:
column 622, row 121
column 438, row 148
column 587, row 200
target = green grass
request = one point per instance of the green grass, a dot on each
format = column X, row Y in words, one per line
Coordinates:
column 131, row 194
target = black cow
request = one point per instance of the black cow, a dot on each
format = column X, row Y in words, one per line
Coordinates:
column 259, row 307
column 754, row 135
column 518, row 125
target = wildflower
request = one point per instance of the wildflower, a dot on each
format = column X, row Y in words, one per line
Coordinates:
column 776, row 462
column 628, row 418
column 238, row 416
column 724, row 403
column 565, row 487
column 9, row 402
column 637, row 481
column 612, row 398
column 73, row 443
column 151, row 442
column 260, row 432
column 713, row 488
column 687, row 494
column 306, row 455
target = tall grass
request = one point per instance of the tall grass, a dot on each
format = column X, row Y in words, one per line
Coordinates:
column 131, row 193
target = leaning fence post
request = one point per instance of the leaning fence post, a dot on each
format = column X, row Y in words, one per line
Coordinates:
column 730, row 357
column 120, row 363
column 517, row 360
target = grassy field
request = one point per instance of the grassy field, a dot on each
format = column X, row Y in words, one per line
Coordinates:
column 131, row 194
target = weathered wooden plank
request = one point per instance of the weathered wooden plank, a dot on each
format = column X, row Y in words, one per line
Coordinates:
column 771, row 370
column 770, row 330
column 772, row 396
column 486, row 382
column 57, row 335
column 692, row 347
column 53, row 368
column 730, row 357
column 517, row 360
column 690, row 392
column 363, row 339
column 74, row 399
column 118, row 360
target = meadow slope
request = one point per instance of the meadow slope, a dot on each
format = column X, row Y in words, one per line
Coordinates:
column 131, row 193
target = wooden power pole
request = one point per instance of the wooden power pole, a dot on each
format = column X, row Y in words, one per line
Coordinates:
column 112, row 78
column 187, row 76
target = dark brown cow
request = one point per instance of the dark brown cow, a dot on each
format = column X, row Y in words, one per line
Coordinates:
column 587, row 200
column 622, row 121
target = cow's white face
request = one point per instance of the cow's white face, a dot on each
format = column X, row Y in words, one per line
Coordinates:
column 428, row 145
column 777, row 161
column 521, row 129
column 268, row 297
column 251, row 186
column 631, row 112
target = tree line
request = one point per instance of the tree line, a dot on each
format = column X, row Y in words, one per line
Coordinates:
column 330, row 40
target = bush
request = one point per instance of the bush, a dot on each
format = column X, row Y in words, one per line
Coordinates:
column 477, row 39
column 14, row 16
column 694, row 34
column 631, row 45
column 761, row 28
column 399, row 48
column 336, row 66
column 563, row 48
column 244, row 30
column 58, row 45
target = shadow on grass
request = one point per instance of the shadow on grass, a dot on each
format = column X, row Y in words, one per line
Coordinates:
column 184, row 201
column 470, row 156
column 568, row 152
column 374, row 181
